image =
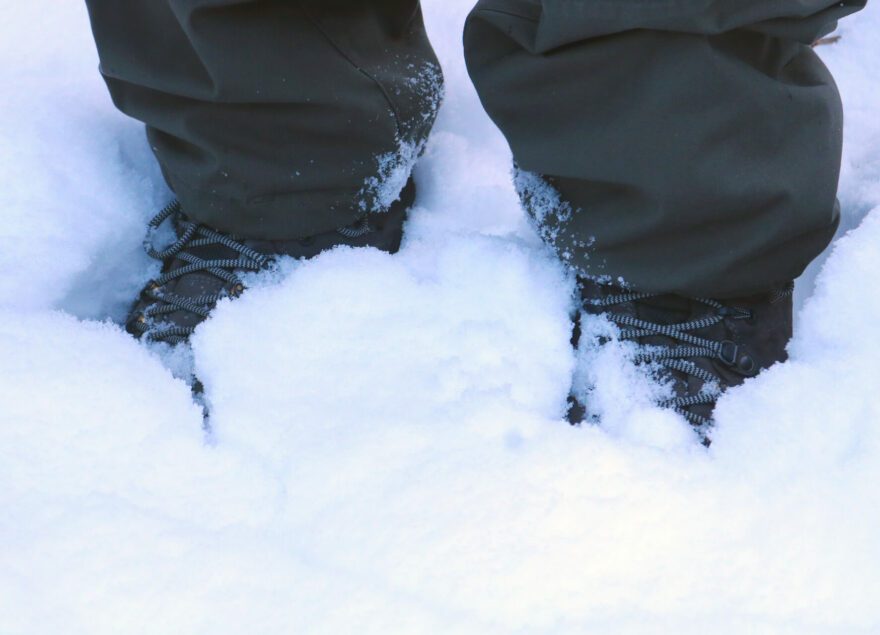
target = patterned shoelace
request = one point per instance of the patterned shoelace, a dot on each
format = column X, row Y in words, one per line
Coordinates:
column 678, row 358
column 192, row 236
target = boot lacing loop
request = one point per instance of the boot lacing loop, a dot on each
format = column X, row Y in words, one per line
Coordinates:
column 678, row 358
column 192, row 235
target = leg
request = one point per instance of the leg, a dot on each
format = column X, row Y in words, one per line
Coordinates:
column 689, row 149
column 695, row 145
column 289, row 125
column 274, row 119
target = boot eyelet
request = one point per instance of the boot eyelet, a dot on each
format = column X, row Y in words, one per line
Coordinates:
column 729, row 352
column 747, row 365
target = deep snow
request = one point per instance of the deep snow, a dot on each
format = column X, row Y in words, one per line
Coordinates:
column 388, row 452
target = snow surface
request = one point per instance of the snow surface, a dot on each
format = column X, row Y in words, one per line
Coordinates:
column 389, row 453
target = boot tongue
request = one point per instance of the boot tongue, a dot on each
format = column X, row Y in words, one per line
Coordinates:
column 665, row 310
column 213, row 251
column 672, row 309
column 196, row 284
column 669, row 309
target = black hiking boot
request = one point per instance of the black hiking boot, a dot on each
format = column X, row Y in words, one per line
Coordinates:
column 203, row 266
column 700, row 345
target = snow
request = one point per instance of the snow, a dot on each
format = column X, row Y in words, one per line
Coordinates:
column 388, row 451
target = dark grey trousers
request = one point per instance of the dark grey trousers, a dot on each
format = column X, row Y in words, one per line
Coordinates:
column 687, row 146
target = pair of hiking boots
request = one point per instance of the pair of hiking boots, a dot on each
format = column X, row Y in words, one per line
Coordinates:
column 698, row 346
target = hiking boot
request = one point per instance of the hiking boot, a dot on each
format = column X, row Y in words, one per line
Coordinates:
column 700, row 346
column 204, row 265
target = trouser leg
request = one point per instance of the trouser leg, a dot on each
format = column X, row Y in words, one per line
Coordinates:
column 690, row 146
column 274, row 118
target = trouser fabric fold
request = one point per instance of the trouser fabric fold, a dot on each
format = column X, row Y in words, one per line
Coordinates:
column 274, row 118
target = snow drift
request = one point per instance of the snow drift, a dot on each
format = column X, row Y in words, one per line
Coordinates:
column 388, row 449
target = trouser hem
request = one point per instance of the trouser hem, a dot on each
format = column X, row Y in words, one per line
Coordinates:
column 285, row 216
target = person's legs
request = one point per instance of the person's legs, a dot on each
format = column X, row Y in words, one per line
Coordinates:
column 695, row 145
column 274, row 119
column 673, row 153
column 290, row 126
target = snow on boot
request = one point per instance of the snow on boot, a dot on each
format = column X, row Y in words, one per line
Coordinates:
column 701, row 346
column 204, row 265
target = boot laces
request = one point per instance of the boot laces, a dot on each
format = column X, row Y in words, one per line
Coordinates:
column 679, row 358
column 191, row 236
